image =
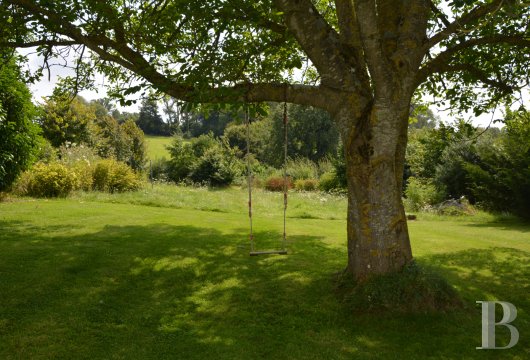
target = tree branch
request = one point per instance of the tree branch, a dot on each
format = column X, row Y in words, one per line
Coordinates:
column 439, row 13
column 259, row 92
column 477, row 13
column 320, row 42
column 442, row 60
column 350, row 37
column 372, row 45
column 480, row 75
column 121, row 54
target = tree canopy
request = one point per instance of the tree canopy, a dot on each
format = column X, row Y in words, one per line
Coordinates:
column 186, row 48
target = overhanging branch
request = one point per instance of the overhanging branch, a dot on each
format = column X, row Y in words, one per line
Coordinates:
column 441, row 61
column 459, row 24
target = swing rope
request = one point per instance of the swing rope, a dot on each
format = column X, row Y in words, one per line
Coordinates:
column 285, row 177
column 249, row 180
column 285, row 185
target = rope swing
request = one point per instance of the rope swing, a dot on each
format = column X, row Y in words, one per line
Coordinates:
column 253, row 251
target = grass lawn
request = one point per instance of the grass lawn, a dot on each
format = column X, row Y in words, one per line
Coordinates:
column 164, row 273
column 156, row 146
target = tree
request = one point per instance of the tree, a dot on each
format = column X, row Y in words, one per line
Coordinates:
column 19, row 135
column 312, row 134
column 150, row 120
column 367, row 59
column 136, row 153
column 64, row 119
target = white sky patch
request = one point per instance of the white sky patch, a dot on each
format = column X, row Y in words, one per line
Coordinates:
column 44, row 87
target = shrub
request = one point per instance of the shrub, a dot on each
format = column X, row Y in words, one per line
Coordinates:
column 47, row 180
column 182, row 158
column 215, row 168
column 203, row 160
column 46, row 152
column 80, row 159
column 302, row 168
column 276, row 183
column 159, row 169
column 420, row 193
column 83, row 171
column 306, row 184
column 454, row 207
column 113, row 176
column 324, row 165
column 329, row 182
column 19, row 135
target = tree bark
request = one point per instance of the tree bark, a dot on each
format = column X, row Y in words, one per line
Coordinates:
column 378, row 240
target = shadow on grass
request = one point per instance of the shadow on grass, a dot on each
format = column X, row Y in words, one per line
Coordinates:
column 496, row 273
column 504, row 224
column 167, row 292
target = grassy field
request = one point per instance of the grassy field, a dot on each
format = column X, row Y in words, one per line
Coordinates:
column 156, row 146
column 164, row 273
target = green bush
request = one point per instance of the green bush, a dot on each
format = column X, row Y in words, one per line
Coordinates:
column 182, row 158
column 329, row 182
column 112, row 176
column 215, row 168
column 421, row 193
column 19, row 134
column 302, row 168
column 276, row 183
column 159, row 169
column 306, row 184
column 83, row 171
column 81, row 160
column 203, row 160
column 47, row 180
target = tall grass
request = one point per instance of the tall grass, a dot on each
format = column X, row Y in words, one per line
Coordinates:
column 229, row 200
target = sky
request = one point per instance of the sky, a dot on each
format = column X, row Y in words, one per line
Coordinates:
column 45, row 88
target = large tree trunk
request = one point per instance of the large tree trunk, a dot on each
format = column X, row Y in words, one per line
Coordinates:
column 378, row 240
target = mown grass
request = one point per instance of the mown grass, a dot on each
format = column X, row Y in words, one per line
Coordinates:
column 156, row 146
column 113, row 277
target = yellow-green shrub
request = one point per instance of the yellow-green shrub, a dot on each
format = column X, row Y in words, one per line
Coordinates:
column 112, row 176
column 83, row 170
column 47, row 180
column 306, row 184
column 329, row 182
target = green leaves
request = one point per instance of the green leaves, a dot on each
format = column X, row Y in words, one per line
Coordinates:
column 19, row 135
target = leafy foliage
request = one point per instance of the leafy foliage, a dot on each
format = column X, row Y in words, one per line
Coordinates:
column 329, row 182
column 150, row 121
column 19, row 135
column 312, row 133
column 204, row 160
column 112, row 176
column 306, row 184
column 489, row 167
column 66, row 120
column 421, row 193
column 47, row 180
